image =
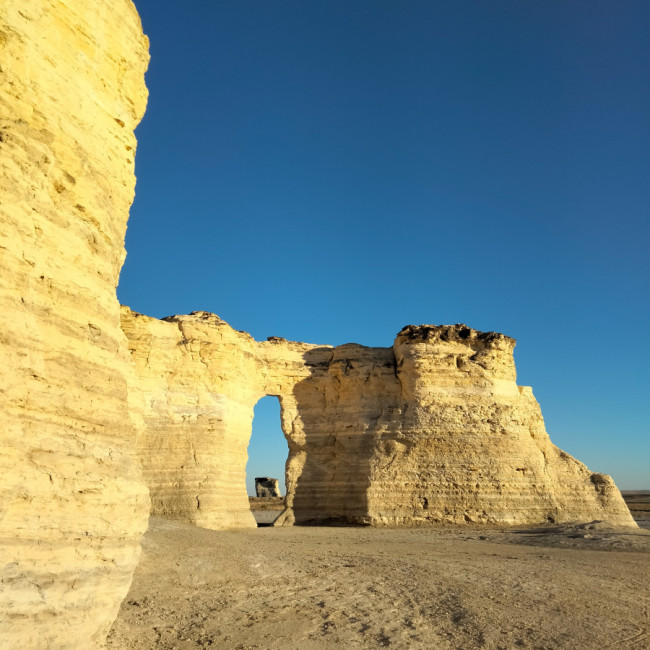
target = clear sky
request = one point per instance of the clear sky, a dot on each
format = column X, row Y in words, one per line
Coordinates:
column 330, row 171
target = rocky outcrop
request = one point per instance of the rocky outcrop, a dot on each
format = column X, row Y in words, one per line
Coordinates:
column 472, row 444
column 72, row 505
column 434, row 429
column 266, row 487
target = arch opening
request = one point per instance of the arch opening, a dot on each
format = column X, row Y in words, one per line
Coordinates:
column 267, row 457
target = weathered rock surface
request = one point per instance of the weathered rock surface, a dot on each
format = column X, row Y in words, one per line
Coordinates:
column 266, row 487
column 72, row 505
column 434, row 429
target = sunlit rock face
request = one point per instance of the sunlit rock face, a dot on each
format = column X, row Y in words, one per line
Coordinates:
column 72, row 505
column 434, row 429
column 471, row 445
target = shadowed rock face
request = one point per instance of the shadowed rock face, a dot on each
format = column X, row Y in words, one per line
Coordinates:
column 72, row 505
column 434, row 429
column 266, row 487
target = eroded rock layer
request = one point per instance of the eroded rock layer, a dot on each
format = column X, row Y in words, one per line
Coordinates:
column 72, row 505
column 434, row 429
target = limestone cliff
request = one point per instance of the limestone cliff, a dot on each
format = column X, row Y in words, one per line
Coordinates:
column 72, row 505
column 192, row 375
column 472, row 445
column 434, row 429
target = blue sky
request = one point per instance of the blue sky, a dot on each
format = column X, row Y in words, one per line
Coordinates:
column 332, row 171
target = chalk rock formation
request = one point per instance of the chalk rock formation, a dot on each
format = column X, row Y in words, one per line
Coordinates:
column 72, row 505
column 266, row 487
column 472, row 444
column 434, row 429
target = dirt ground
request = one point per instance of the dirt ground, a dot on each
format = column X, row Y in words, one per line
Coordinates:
column 310, row 587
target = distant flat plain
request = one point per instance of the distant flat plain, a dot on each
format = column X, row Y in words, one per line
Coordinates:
column 585, row 586
column 638, row 501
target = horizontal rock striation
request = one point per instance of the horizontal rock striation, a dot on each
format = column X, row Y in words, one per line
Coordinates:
column 471, row 445
column 434, row 429
column 196, row 380
column 72, row 505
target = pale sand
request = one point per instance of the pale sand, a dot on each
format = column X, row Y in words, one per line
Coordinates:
column 563, row 587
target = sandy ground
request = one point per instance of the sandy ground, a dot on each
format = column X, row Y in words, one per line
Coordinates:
column 303, row 587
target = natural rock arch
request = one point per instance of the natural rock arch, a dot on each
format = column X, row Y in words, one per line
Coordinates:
column 432, row 429
column 267, row 446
